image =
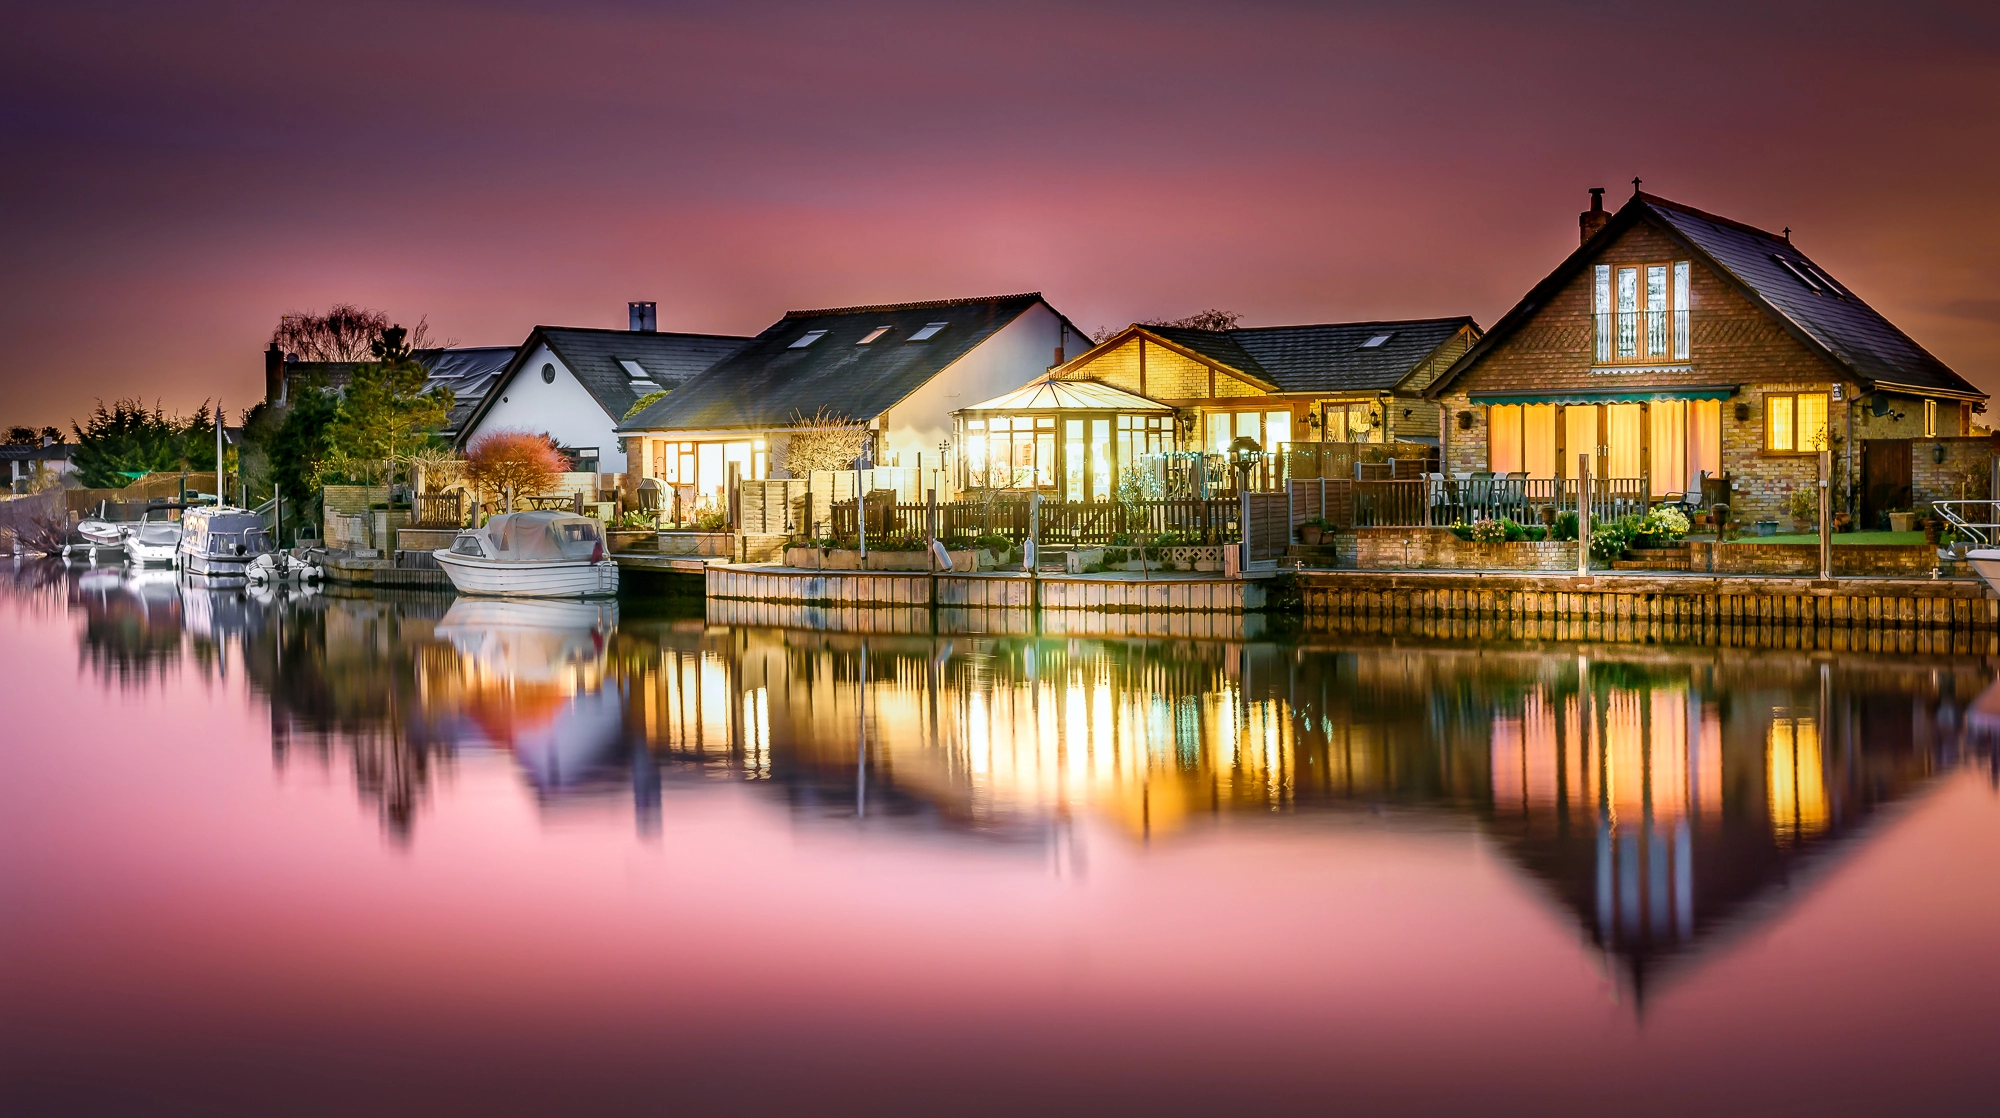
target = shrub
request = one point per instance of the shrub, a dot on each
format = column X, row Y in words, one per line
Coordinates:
column 1461, row 529
column 1514, row 532
column 1610, row 539
column 994, row 543
column 1488, row 531
column 1537, row 532
column 1565, row 526
column 1804, row 503
column 1666, row 524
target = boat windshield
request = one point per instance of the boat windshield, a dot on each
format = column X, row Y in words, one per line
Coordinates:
column 151, row 533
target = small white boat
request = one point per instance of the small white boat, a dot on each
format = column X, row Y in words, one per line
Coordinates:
column 153, row 541
column 1985, row 562
column 221, row 541
column 532, row 555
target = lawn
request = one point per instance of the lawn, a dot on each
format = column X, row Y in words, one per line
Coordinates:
column 1839, row 538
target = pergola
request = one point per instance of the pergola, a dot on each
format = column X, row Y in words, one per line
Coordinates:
column 1069, row 438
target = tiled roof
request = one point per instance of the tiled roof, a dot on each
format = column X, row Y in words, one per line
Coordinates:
column 596, row 358
column 1835, row 319
column 769, row 380
column 469, row 373
column 1334, row 357
column 1326, row 357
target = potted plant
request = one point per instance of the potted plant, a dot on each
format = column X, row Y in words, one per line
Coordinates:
column 1313, row 531
column 1902, row 521
column 1803, row 506
column 1843, row 522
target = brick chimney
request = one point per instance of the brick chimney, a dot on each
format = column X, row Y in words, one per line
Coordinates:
column 274, row 375
column 644, row 317
column 1594, row 218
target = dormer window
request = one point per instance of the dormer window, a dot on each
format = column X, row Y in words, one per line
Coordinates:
column 1641, row 312
column 928, row 332
column 1375, row 341
column 873, row 335
column 807, row 338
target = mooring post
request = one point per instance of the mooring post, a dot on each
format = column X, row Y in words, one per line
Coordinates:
column 1826, row 515
column 1582, row 515
column 931, row 522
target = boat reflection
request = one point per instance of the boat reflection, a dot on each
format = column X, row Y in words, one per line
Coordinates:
column 1658, row 797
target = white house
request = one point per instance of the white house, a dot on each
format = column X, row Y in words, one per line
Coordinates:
column 577, row 384
column 902, row 369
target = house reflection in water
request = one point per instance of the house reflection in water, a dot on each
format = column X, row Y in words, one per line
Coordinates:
column 1655, row 795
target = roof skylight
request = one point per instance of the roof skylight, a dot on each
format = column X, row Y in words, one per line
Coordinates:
column 633, row 369
column 1799, row 274
column 1376, row 340
column 873, row 334
column 928, row 332
column 807, row 338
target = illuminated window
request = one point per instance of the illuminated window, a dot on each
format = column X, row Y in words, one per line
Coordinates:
column 1641, row 311
column 873, row 334
column 1795, row 423
column 1930, row 419
column 928, row 332
column 807, row 338
column 1377, row 340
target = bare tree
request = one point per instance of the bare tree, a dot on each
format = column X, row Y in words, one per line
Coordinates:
column 1212, row 319
column 344, row 332
column 823, row 441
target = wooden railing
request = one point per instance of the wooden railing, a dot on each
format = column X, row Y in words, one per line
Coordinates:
column 1440, row 502
column 1061, row 523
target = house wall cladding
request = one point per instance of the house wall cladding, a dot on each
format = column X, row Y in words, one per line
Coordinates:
column 1730, row 342
column 1965, row 474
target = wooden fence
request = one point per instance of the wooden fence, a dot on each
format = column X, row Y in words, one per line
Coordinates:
column 1441, row 502
column 1061, row 523
column 439, row 510
column 774, row 507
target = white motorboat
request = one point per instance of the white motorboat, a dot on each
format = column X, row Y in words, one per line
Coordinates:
column 532, row 555
column 221, row 540
column 153, row 541
column 1986, row 563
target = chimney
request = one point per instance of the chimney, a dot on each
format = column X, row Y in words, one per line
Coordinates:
column 274, row 375
column 1594, row 218
column 644, row 317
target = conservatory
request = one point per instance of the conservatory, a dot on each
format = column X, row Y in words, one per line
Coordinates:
column 1069, row 439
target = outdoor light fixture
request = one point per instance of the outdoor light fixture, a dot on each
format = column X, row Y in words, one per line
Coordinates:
column 1742, row 412
column 1937, row 454
column 1243, row 453
column 1465, row 420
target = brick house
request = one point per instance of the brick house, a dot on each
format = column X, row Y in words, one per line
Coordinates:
column 1674, row 345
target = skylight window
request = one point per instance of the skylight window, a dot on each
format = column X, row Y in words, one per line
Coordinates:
column 1798, row 273
column 873, row 334
column 1825, row 280
column 807, row 338
column 928, row 332
column 1376, row 341
column 633, row 369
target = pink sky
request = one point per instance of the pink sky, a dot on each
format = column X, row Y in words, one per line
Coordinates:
column 179, row 177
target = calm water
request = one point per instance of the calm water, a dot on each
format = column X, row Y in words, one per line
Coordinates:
column 415, row 856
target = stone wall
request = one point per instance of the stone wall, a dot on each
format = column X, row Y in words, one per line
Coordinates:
column 1390, row 549
column 1966, row 472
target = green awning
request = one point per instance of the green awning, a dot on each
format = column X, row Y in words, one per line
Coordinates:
column 1622, row 395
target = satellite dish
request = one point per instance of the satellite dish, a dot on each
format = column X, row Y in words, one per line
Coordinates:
column 1878, row 405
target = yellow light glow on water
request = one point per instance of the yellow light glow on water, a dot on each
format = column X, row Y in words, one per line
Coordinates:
column 1795, row 778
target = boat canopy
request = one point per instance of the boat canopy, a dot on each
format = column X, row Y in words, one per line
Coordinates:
column 543, row 536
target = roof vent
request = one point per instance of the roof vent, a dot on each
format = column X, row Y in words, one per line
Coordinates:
column 643, row 317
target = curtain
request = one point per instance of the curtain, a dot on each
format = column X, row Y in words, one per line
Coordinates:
column 1579, row 436
column 1626, row 438
column 1503, row 446
column 1538, row 440
column 1670, row 447
column 1704, row 441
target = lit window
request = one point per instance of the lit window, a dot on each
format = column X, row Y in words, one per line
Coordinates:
column 928, row 332
column 1641, row 311
column 1377, row 340
column 873, row 334
column 1795, row 423
column 1930, row 419
column 807, row 338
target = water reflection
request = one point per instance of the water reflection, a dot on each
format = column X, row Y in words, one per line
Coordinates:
column 1657, row 796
